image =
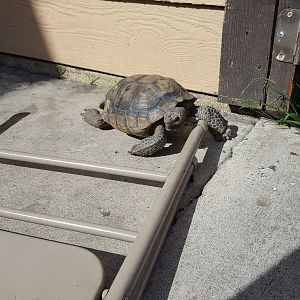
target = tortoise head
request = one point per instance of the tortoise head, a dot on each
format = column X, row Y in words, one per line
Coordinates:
column 175, row 118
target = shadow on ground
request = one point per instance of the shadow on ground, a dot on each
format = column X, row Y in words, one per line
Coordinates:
column 12, row 121
column 280, row 282
column 111, row 264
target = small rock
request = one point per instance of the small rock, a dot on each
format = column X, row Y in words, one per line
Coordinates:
column 105, row 213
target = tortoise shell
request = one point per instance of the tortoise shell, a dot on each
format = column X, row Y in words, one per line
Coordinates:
column 137, row 102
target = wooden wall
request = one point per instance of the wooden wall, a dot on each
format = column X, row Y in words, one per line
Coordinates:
column 177, row 38
column 250, row 74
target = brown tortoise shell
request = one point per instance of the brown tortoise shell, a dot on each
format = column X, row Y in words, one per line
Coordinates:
column 135, row 103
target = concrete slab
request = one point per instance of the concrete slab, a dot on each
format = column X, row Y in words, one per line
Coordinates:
column 241, row 238
column 41, row 115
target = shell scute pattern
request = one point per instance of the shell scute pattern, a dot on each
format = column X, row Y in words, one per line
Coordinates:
column 138, row 101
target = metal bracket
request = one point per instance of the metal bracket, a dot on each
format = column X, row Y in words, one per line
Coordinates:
column 287, row 39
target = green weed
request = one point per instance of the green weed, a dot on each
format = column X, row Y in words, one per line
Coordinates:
column 61, row 72
column 93, row 81
column 272, row 109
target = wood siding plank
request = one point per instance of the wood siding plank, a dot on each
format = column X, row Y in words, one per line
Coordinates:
column 118, row 38
column 247, row 40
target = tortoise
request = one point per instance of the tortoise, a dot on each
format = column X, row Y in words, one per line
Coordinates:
column 149, row 106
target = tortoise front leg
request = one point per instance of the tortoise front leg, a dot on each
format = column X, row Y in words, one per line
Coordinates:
column 217, row 125
column 94, row 118
column 149, row 145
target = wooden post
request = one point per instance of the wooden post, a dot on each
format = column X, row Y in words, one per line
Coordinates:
column 282, row 74
column 246, row 45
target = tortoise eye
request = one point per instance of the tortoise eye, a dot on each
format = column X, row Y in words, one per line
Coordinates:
column 176, row 119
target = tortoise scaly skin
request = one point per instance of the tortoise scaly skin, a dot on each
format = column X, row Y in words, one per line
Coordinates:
column 217, row 125
column 149, row 106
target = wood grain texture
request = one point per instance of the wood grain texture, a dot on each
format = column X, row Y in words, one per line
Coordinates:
column 247, row 40
column 198, row 2
column 118, row 38
column 283, row 74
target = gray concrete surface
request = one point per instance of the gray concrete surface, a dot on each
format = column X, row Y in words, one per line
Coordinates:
column 232, row 225
column 241, row 238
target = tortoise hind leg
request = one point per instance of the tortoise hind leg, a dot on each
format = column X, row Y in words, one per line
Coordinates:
column 149, row 145
column 94, row 118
